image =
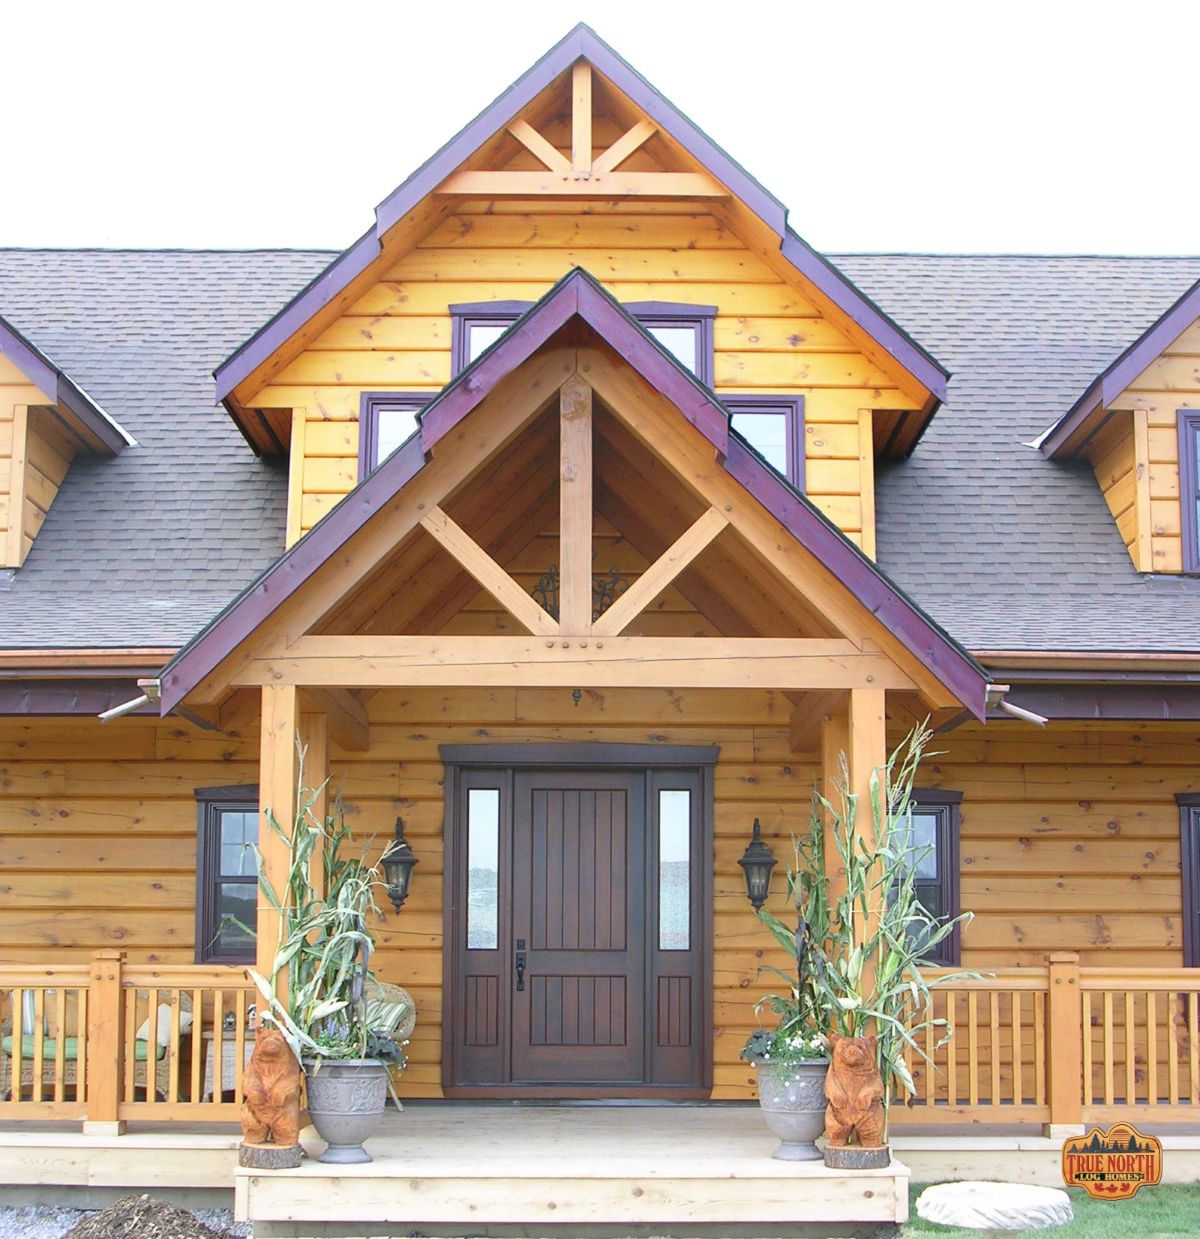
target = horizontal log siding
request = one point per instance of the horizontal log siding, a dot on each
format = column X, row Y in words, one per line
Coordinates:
column 768, row 336
column 1113, row 455
column 1170, row 383
column 1070, row 837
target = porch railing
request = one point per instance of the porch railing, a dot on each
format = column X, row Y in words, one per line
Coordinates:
column 1058, row 1045
column 113, row 1041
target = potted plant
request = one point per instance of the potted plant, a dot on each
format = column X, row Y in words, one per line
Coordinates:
column 791, row 1059
column 323, row 951
column 876, row 939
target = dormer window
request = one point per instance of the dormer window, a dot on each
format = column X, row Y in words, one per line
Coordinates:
column 1189, row 486
column 774, row 428
column 685, row 331
column 385, row 421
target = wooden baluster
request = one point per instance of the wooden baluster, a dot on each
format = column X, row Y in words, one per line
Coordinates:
column 972, row 1050
column 81, row 1053
column 930, row 1068
column 1064, row 1049
column 239, row 1047
column 952, row 1050
column 1173, row 1025
column 994, row 1047
column 1130, row 1050
column 39, row 1042
column 175, row 1002
column 218, row 1046
column 18, row 1036
column 197, row 1041
column 60, row 1043
column 1088, row 1066
column 131, row 1025
column 1193, row 1050
column 1018, row 1055
column 1151, row 1048
column 1039, row 1047
column 1109, row 1051
column 105, row 1027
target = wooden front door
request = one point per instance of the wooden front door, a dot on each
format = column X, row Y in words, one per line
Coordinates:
column 578, row 932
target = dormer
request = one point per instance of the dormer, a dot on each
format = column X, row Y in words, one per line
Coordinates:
column 46, row 420
column 581, row 164
column 1138, row 425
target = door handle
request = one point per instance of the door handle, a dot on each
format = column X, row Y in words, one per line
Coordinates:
column 520, row 963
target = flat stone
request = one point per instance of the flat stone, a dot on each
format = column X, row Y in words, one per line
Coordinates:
column 982, row 1205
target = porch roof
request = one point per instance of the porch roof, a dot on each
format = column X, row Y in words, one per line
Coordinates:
column 579, row 297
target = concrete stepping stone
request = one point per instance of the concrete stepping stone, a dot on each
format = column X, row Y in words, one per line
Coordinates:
column 995, row 1208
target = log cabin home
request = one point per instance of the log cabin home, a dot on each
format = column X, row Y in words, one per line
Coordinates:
column 578, row 515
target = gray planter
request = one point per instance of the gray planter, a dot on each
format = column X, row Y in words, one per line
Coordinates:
column 792, row 1099
column 346, row 1098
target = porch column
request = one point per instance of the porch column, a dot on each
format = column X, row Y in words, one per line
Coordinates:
column 314, row 732
column 835, row 741
column 277, row 770
column 867, row 752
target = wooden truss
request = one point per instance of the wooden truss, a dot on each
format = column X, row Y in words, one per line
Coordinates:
column 581, row 175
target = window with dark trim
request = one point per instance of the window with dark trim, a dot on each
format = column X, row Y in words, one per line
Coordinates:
column 226, row 881
column 385, row 420
column 1189, row 838
column 933, row 845
column 774, row 427
column 684, row 330
column 1189, row 486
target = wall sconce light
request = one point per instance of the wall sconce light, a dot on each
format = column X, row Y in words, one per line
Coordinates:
column 757, row 861
column 398, row 862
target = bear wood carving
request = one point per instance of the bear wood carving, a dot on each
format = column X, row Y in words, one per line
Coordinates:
column 854, row 1091
column 271, row 1100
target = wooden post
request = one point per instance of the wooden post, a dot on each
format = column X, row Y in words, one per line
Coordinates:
column 314, row 731
column 105, row 1042
column 277, row 792
column 835, row 744
column 867, row 754
column 581, row 118
column 575, row 508
column 1064, row 1047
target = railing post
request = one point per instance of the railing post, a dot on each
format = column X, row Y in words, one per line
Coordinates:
column 1064, row 1047
column 105, row 1037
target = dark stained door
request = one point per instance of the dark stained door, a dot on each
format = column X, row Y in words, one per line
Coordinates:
column 578, row 931
column 578, row 925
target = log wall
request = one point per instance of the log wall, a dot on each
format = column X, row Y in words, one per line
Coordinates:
column 1070, row 837
column 769, row 337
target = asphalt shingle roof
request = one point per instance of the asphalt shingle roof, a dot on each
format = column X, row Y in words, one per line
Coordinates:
column 1004, row 548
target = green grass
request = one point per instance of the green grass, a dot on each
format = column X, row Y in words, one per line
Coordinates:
column 1153, row 1211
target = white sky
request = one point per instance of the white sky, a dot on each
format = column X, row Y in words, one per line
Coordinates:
column 1056, row 126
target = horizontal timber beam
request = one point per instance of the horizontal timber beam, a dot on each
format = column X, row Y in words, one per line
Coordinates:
column 809, row 715
column 471, row 184
column 577, row 662
column 347, row 716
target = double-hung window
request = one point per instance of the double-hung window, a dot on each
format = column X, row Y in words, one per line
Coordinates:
column 932, row 846
column 1189, row 486
column 226, row 876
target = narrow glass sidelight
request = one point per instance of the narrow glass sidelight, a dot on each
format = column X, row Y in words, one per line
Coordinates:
column 674, row 869
column 483, row 868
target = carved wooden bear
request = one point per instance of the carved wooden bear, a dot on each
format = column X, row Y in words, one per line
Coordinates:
column 271, row 1089
column 854, row 1091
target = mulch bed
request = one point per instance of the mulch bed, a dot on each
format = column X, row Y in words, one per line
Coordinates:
column 140, row 1217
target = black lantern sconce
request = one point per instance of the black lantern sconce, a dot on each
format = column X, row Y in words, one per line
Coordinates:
column 398, row 862
column 757, row 861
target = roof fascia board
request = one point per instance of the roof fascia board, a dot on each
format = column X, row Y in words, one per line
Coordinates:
column 578, row 294
column 582, row 42
column 1061, row 441
column 99, row 431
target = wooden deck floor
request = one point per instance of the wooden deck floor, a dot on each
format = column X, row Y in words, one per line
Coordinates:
column 556, row 1167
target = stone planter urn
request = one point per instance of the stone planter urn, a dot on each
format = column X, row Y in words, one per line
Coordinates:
column 346, row 1099
column 792, row 1099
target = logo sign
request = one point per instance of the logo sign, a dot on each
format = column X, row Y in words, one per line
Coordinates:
column 1112, row 1164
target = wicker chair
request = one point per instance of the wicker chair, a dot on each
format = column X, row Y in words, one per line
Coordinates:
column 143, row 1053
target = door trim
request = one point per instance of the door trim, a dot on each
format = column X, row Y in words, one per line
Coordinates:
column 568, row 755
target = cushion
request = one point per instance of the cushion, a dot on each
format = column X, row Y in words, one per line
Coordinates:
column 70, row 1049
column 164, row 1026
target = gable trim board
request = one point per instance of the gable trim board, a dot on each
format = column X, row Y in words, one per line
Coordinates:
column 583, row 43
column 1079, row 425
column 579, row 296
column 86, row 421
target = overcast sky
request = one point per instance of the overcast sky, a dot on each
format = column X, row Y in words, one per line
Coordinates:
column 1050, row 127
